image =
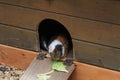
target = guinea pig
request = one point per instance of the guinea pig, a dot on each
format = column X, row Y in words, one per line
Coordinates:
column 58, row 50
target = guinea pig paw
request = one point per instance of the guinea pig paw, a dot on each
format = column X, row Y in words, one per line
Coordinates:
column 41, row 56
column 68, row 62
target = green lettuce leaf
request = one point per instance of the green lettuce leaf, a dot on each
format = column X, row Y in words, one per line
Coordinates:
column 59, row 66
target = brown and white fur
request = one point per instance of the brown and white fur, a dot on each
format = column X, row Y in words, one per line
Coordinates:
column 58, row 50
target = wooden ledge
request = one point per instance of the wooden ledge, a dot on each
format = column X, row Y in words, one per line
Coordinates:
column 16, row 57
column 22, row 58
column 89, row 72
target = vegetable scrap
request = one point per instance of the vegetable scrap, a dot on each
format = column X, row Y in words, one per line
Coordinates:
column 59, row 66
column 56, row 66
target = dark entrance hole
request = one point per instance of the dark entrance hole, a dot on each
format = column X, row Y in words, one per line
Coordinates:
column 49, row 28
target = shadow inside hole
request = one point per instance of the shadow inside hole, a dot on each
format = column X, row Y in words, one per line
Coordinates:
column 49, row 28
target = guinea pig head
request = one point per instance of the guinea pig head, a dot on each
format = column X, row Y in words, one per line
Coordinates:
column 56, row 54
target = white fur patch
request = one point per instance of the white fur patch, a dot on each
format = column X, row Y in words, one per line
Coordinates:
column 53, row 44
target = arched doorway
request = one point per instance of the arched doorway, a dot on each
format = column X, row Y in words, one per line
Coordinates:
column 49, row 28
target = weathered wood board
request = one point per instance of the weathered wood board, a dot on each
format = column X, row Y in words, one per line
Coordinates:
column 100, row 10
column 43, row 66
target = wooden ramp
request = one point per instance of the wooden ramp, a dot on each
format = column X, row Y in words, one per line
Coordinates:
column 43, row 66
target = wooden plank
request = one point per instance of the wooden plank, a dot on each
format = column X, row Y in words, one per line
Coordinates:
column 86, row 30
column 102, row 10
column 97, row 55
column 95, row 32
column 87, row 72
column 18, row 37
column 43, row 66
column 16, row 57
column 82, row 71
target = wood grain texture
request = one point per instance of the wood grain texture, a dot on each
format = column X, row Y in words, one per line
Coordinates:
column 97, row 55
column 16, row 57
column 88, row 72
column 18, row 37
column 43, row 66
column 101, row 10
column 82, row 71
column 81, row 29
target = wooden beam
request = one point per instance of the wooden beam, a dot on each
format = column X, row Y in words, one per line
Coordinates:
column 16, row 57
column 88, row 72
column 105, row 10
